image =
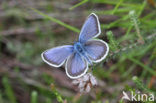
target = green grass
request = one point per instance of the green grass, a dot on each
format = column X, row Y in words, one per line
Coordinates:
column 79, row 4
column 150, row 70
column 74, row 29
column 8, row 90
column 34, row 97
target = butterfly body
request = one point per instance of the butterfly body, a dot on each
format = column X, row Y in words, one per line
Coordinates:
column 80, row 49
column 85, row 51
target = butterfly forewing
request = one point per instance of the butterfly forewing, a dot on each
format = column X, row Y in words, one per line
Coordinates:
column 76, row 66
column 90, row 29
column 57, row 56
column 96, row 49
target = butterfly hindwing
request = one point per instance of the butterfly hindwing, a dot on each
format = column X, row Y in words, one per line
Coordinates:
column 76, row 66
column 90, row 29
column 57, row 56
column 96, row 49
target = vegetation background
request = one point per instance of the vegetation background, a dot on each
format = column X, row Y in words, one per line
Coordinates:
column 28, row 27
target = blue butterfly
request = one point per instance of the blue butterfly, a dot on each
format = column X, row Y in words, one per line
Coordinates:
column 85, row 51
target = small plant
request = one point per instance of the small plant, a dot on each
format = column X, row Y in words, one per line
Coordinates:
column 136, row 25
column 57, row 94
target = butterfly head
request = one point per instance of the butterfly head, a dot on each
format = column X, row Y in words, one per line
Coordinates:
column 78, row 47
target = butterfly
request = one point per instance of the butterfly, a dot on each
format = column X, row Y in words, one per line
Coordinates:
column 86, row 51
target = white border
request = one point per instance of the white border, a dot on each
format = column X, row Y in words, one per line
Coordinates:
column 97, row 23
column 54, row 65
column 104, row 56
column 75, row 77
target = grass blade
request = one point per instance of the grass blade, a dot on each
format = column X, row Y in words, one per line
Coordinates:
column 8, row 90
column 74, row 29
column 34, row 97
column 77, row 5
column 150, row 70
column 116, row 7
